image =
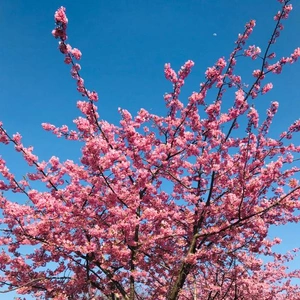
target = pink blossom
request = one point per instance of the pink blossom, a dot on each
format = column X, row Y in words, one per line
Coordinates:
column 239, row 98
column 48, row 126
column 64, row 48
column 294, row 183
column 68, row 60
column 59, row 33
column 253, row 115
column 252, row 52
column 275, row 68
column 296, row 54
column 76, row 53
column 211, row 73
column 60, row 15
column 258, row 74
column 197, row 98
column 221, row 63
column 272, row 55
column 93, row 96
column 267, row 88
column 170, row 74
column 185, row 69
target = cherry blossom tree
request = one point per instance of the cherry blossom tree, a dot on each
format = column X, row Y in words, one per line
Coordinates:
column 110, row 228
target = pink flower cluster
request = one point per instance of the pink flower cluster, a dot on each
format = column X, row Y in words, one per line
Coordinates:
column 252, row 52
column 61, row 20
column 178, row 81
column 284, row 14
column 70, row 53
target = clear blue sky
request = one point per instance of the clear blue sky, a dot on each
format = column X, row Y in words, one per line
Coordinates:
column 125, row 45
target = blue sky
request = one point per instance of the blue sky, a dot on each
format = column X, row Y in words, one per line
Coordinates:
column 125, row 45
